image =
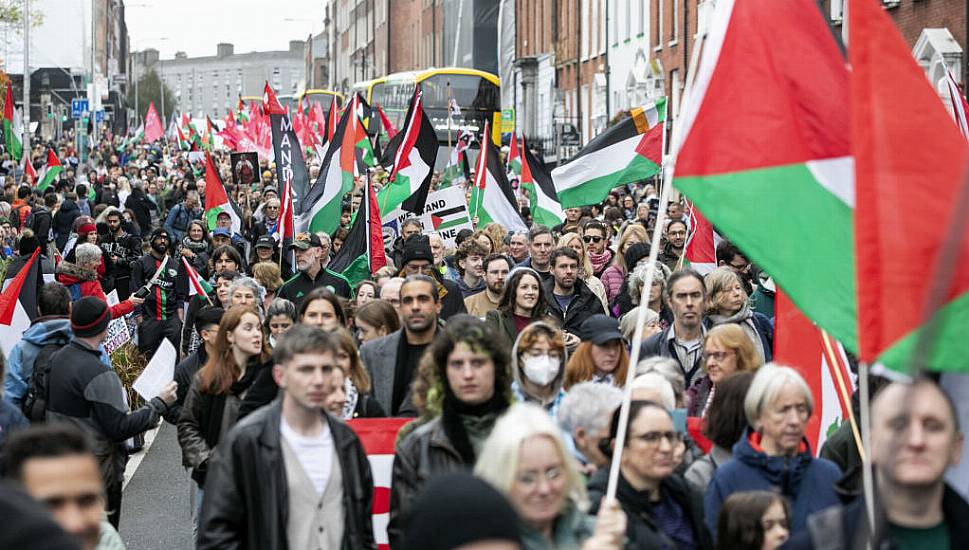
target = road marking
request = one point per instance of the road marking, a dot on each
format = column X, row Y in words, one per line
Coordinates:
column 134, row 461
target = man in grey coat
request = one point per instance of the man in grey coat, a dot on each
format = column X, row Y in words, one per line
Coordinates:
column 393, row 359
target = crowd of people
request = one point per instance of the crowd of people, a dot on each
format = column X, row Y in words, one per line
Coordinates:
column 509, row 351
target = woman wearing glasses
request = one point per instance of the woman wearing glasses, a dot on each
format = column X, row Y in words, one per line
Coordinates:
column 663, row 510
column 726, row 350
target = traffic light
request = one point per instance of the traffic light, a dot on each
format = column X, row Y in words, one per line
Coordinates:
column 50, row 111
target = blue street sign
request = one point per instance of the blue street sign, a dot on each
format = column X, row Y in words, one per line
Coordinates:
column 78, row 106
column 99, row 116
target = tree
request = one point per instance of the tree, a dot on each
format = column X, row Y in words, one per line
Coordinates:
column 149, row 89
column 12, row 13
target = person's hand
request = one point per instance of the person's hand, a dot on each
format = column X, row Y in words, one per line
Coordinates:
column 610, row 529
column 136, row 301
column 168, row 393
column 571, row 340
column 188, row 253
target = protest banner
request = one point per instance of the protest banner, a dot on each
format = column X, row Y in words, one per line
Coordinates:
column 445, row 213
column 245, row 168
column 118, row 333
column 378, row 436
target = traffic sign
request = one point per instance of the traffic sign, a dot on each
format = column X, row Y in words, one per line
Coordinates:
column 99, row 116
column 78, row 106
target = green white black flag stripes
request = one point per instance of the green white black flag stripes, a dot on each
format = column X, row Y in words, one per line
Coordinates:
column 410, row 178
column 630, row 151
column 492, row 198
column 320, row 211
column 538, row 186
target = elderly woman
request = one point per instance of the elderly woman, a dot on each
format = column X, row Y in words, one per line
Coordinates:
column 280, row 317
column 726, row 349
column 81, row 279
column 584, row 414
column 729, row 304
column 246, row 291
column 538, row 366
column 774, row 454
column 527, row 461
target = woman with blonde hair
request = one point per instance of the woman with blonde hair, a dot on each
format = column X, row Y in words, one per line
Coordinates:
column 496, row 232
column 574, row 241
column 613, row 276
column 728, row 303
column 726, row 349
column 527, row 461
column 268, row 275
column 359, row 402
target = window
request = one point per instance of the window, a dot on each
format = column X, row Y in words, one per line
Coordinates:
column 675, row 27
column 658, row 25
column 627, row 21
column 584, row 22
column 641, row 19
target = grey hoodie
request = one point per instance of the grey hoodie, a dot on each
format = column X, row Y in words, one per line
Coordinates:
column 518, row 387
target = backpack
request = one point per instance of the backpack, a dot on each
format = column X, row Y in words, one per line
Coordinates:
column 19, row 219
column 34, row 405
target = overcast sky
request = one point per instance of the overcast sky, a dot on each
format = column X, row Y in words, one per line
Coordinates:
column 196, row 26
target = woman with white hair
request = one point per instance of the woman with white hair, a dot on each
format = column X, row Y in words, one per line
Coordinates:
column 774, row 454
column 526, row 460
column 584, row 414
column 246, row 291
column 81, row 279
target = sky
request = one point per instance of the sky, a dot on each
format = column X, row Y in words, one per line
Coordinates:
column 196, row 26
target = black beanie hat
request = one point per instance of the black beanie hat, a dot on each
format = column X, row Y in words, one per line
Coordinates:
column 89, row 317
column 635, row 253
column 417, row 248
column 458, row 509
column 158, row 232
column 28, row 243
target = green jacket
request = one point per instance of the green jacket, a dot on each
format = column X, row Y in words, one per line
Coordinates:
column 571, row 529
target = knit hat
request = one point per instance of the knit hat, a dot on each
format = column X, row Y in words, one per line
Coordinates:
column 159, row 232
column 89, row 317
column 417, row 248
column 635, row 253
column 459, row 509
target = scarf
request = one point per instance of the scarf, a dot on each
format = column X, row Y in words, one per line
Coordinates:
column 744, row 318
column 463, row 423
column 214, row 406
column 195, row 246
column 600, row 261
column 352, row 397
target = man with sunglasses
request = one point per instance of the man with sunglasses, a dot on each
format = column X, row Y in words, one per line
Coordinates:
column 596, row 240
column 311, row 257
column 270, row 216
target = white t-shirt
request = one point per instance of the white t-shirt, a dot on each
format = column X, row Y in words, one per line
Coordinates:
column 315, row 453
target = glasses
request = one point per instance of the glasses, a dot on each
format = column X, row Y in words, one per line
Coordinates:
column 741, row 267
column 718, row 355
column 590, row 239
column 653, row 438
column 531, row 479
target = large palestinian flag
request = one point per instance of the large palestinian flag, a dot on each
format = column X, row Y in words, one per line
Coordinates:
column 630, row 151
column 410, row 178
column 10, row 137
column 18, row 303
column 362, row 254
column 51, row 172
column 492, row 198
column 538, row 186
column 765, row 154
column 216, row 199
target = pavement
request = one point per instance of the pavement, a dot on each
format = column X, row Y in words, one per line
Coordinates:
column 156, row 512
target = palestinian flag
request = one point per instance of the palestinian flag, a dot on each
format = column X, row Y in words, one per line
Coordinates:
column 320, row 210
column 29, row 174
column 388, row 126
column 285, row 229
column 410, row 178
column 910, row 176
column 960, row 108
column 51, row 172
column 183, row 144
column 242, row 113
column 701, row 247
column 452, row 217
column 138, row 137
column 823, row 364
column 514, row 156
column 538, row 186
column 18, row 303
column 630, row 151
column 210, row 129
column 10, row 137
column 769, row 163
column 153, row 125
column 216, row 199
column 492, row 199
column 362, row 254
column 197, row 285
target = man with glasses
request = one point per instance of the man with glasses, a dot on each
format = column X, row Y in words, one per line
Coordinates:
column 596, row 239
column 417, row 259
column 676, row 232
column 496, row 268
column 662, row 509
column 311, row 258
column 728, row 255
column 270, row 217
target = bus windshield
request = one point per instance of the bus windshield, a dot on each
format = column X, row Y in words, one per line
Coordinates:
column 476, row 97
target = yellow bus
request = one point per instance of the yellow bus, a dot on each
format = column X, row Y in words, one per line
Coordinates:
column 323, row 97
column 476, row 93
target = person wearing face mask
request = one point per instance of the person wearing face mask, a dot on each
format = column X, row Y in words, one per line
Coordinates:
column 537, row 365
column 212, row 403
column 161, row 314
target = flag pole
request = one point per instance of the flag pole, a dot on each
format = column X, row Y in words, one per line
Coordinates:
column 449, row 121
column 668, row 163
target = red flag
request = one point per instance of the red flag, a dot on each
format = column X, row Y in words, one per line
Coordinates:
column 29, row 172
column 821, row 361
column 270, row 104
column 153, row 125
column 909, row 172
column 387, row 124
column 331, row 120
column 285, row 228
column 701, row 249
column 378, row 436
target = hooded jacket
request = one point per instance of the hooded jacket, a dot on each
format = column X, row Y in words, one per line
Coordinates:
column 807, row 482
column 84, row 282
column 551, row 404
column 64, row 222
column 20, row 364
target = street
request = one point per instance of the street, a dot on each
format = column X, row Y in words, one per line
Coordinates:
column 156, row 510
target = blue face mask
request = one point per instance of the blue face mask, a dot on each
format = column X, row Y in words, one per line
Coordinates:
column 679, row 420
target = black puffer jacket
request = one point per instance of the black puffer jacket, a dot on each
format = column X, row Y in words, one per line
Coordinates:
column 64, row 222
column 246, row 495
column 584, row 304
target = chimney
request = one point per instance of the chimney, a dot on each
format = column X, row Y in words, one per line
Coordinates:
column 225, row 50
column 181, row 55
column 296, row 46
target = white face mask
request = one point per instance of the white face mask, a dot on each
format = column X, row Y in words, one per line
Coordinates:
column 540, row 369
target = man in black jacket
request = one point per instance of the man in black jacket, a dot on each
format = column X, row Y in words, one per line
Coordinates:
column 289, row 475
column 207, row 322
column 161, row 314
column 683, row 341
column 86, row 392
column 64, row 219
column 571, row 301
column 311, row 260
column 139, row 203
column 122, row 249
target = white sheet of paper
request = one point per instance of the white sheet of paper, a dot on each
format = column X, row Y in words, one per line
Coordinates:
column 159, row 372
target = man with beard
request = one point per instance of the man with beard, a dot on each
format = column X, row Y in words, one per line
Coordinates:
column 310, row 258
column 683, row 340
column 393, row 359
column 122, row 249
column 160, row 316
column 675, row 242
column 496, row 268
column 572, row 301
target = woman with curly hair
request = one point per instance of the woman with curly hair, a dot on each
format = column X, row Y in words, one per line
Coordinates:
column 463, row 385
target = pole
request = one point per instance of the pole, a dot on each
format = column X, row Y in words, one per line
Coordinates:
column 161, row 86
column 449, row 97
column 94, row 82
column 26, row 117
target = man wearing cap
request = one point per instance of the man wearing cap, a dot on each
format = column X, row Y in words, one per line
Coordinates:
column 312, row 274
column 224, row 221
column 85, row 392
column 417, row 259
column 160, row 316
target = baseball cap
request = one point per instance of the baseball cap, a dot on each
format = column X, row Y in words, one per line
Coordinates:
column 600, row 329
column 265, row 242
column 304, row 241
column 221, row 232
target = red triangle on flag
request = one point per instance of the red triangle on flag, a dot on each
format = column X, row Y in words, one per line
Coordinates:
column 11, row 295
column 269, row 102
column 651, row 144
column 436, row 221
